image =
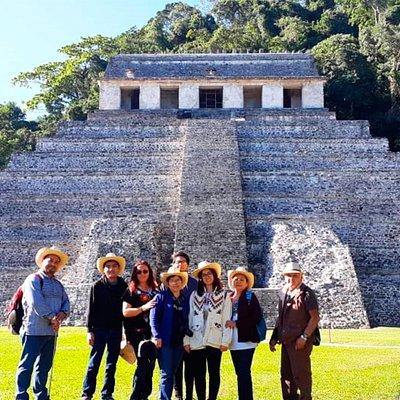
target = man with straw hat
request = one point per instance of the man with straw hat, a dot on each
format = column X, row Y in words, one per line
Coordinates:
column 45, row 305
column 104, row 324
column 298, row 318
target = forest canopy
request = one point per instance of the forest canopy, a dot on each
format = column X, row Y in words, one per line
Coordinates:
column 356, row 45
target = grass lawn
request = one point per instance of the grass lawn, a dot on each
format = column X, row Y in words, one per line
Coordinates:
column 357, row 365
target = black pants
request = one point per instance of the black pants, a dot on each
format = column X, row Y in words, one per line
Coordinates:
column 142, row 385
column 178, row 377
column 242, row 360
column 198, row 362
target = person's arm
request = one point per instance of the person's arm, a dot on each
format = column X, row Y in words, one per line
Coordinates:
column 64, row 312
column 186, row 339
column 226, row 316
column 155, row 320
column 33, row 294
column 90, row 318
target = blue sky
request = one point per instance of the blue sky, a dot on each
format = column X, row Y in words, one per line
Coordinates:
column 31, row 32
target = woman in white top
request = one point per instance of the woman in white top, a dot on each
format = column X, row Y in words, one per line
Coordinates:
column 246, row 313
column 210, row 309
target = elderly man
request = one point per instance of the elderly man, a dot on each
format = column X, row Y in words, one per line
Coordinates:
column 104, row 324
column 45, row 305
column 297, row 321
column 180, row 262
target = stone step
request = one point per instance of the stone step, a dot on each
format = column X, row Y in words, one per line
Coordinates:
column 45, row 162
column 100, row 131
column 322, row 184
column 20, row 228
column 306, row 146
column 298, row 129
column 283, row 207
column 153, row 146
column 78, row 184
column 87, row 206
column 343, row 162
column 381, row 231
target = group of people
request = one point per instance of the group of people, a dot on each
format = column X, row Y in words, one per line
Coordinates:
column 186, row 322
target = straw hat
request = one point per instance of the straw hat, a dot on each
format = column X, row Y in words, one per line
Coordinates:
column 292, row 268
column 241, row 271
column 207, row 265
column 172, row 271
column 127, row 352
column 111, row 257
column 46, row 251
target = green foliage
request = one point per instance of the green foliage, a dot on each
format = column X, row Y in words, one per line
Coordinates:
column 356, row 44
column 16, row 134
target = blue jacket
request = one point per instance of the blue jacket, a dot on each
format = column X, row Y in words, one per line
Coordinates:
column 161, row 316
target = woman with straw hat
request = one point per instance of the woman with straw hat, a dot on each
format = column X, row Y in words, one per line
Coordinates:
column 138, row 300
column 169, row 324
column 246, row 313
column 210, row 309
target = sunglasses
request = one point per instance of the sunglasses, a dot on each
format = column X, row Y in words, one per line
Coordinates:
column 142, row 272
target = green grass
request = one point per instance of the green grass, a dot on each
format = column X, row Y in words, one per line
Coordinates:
column 357, row 366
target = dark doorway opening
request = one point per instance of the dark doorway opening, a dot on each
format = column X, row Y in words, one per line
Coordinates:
column 292, row 98
column 252, row 96
column 169, row 98
column 130, row 99
column 210, row 98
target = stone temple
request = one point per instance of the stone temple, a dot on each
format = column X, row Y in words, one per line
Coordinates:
column 230, row 157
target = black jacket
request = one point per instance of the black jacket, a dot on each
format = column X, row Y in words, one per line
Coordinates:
column 249, row 313
column 105, row 304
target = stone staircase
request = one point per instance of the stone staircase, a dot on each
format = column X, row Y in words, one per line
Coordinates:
column 330, row 177
column 88, row 173
column 246, row 188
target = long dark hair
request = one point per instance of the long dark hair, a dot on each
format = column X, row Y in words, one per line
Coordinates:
column 134, row 282
column 216, row 282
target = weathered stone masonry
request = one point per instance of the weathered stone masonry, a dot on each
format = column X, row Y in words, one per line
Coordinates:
column 255, row 187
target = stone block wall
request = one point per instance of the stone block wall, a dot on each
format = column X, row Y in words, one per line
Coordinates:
column 254, row 188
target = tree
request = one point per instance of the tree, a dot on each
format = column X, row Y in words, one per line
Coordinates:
column 15, row 132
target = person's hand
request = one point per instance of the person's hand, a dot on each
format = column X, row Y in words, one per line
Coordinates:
column 223, row 348
column 158, row 343
column 90, row 338
column 300, row 344
column 149, row 305
column 187, row 348
column 230, row 324
column 272, row 344
column 61, row 316
column 55, row 324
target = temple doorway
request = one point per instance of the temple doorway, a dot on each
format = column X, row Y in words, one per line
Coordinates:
column 210, row 98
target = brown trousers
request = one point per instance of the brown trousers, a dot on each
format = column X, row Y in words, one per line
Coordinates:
column 296, row 372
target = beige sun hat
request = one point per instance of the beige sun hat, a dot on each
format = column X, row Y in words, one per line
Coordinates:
column 46, row 251
column 241, row 271
column 111, row 257
column 207, row 265
column 292, row 268
column 171, row 272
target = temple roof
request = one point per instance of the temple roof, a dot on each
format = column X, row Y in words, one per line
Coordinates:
column 217, row 66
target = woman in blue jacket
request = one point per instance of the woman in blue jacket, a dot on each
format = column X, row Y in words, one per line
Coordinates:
column 169, row 324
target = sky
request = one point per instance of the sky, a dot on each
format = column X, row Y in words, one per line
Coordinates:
column 31, row 32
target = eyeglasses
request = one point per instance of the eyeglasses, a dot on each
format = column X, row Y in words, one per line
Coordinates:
column 142, row 272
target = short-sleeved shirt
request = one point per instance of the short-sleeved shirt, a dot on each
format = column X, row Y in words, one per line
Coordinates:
column 137, row 299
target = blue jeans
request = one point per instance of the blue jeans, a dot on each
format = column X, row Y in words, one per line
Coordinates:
column 169, row 358
column 102, row 338
column 37, row 351
column 242, row 360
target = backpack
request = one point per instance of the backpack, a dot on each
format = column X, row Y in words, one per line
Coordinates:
column 15, row 310
column 261, row 324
